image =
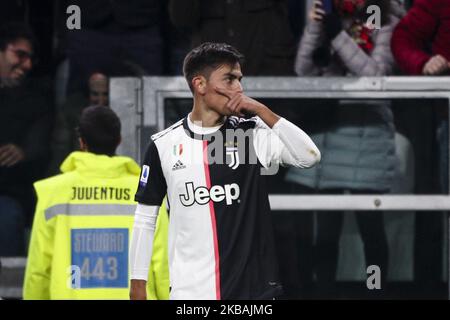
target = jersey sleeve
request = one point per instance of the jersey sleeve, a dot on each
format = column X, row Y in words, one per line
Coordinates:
column 284, row 144
column 152, row 183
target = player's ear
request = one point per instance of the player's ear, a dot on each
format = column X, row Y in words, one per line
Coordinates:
column 199, row 84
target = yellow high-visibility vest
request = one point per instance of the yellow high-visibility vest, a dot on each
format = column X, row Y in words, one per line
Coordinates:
column 82, row 231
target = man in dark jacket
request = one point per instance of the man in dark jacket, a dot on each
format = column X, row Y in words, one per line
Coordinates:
column 25, row 124
column 258, row 28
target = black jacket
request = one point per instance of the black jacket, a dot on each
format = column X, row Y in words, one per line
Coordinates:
column 126, row 13
column 26, row 120
column 257, row 28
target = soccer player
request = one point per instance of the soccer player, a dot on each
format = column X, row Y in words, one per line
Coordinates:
column 220, row 233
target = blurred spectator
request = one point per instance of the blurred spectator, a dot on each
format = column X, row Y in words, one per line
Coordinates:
column 259, row 29
column 98, row 90
column 65, row 139
column 25, row 128
column 421, row 46
column 114, row 32
column 356, row 137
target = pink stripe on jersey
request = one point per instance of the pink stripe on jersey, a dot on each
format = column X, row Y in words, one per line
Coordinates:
column 213, row 219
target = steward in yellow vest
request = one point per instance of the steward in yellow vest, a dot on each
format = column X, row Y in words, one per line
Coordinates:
column 84, row 217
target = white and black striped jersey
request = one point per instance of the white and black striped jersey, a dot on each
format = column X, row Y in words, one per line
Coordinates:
column 220, row 234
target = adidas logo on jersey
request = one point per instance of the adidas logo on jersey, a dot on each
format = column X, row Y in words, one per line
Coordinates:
column 179, row 165
column 201, row 195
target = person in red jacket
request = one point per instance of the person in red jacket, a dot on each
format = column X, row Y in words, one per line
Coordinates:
column 425, row 27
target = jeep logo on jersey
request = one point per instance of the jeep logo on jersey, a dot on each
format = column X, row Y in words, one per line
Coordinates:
column 201, row 195
column 233, row 154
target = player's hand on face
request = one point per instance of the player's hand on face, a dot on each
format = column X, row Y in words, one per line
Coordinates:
column 239, row 104
column 316, row 13
column 10, row 154
column 234, row 97
column 436, row 65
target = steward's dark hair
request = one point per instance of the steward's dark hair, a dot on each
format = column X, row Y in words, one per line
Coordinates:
column 100, row 128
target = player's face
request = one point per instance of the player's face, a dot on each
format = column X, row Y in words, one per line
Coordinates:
column 15, row 61
column 225, row 77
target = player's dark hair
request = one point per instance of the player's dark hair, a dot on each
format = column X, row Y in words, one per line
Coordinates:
column 100, row 128
column 208, row 57
column 13, row 31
